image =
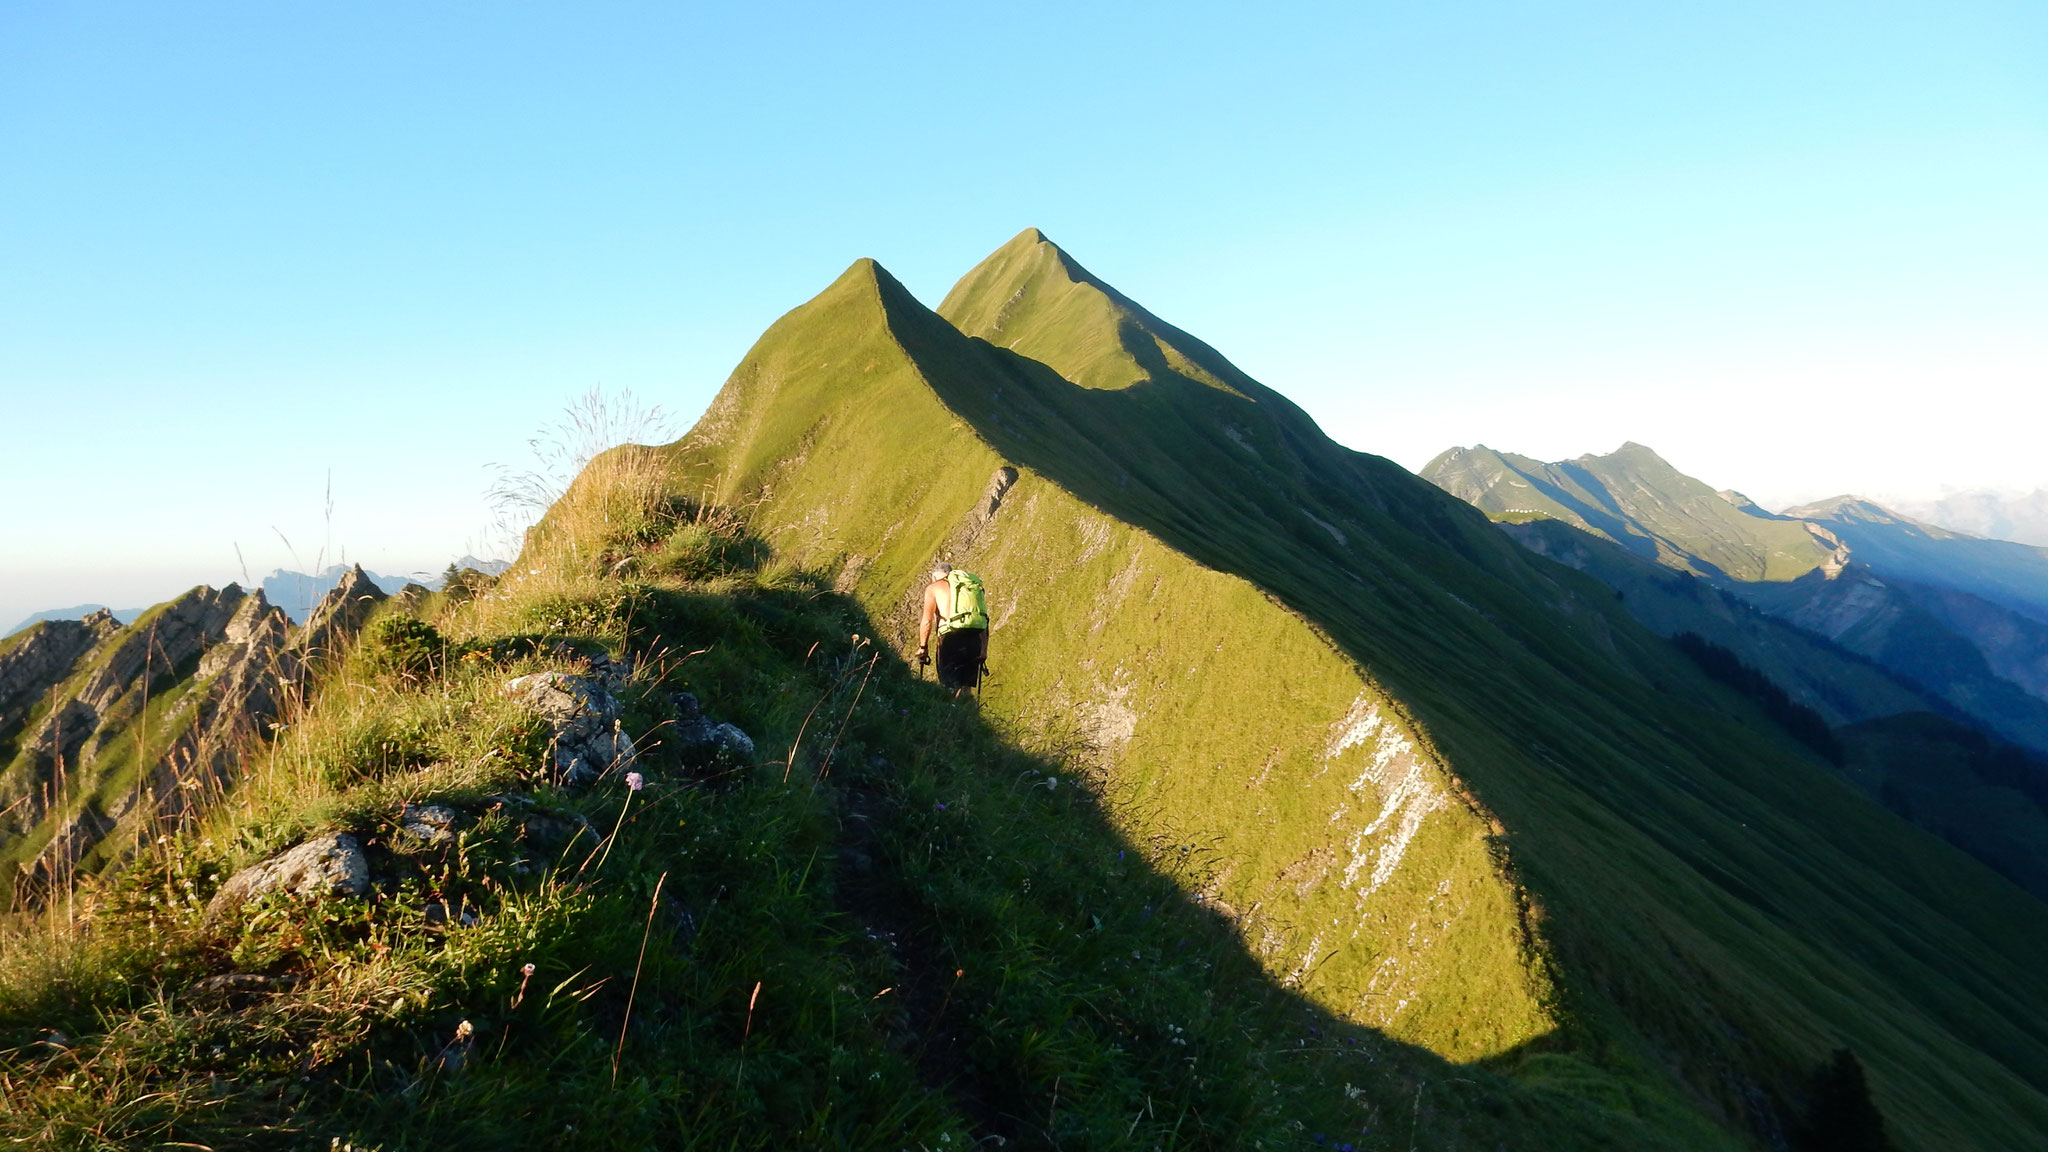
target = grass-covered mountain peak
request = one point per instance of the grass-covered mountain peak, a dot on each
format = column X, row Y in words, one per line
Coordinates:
column 1032, row 297
column 1637, row 499
column 1199, row 595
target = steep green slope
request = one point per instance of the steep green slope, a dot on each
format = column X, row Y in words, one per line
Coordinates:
column 866, row 469
column 1985, row 796
column 1634, row 498
column 1719, row 911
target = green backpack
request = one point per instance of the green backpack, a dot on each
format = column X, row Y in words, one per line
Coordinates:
column 970, row 603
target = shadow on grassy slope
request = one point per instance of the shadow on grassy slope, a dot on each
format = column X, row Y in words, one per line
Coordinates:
column 1711, row 890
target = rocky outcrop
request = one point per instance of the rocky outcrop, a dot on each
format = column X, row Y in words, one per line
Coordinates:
column 42, row 657
column 429, row 823
column 584, row 711
column 325, row 866
column 145, row 724
column 110, row 693
column 333, row 623
column 237, row 694
column 700, row 740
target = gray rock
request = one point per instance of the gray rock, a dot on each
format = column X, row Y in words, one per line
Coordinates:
column 334, row 622
column 695, row 737
column 440, row 915
column 584, row 712
column 562, row 698
column 577, row 772
column 549, row 831
column 432, row 823
column 734, row 743
column 237, row 984
column 330, row 865
column 613, row 673
column 43, row 658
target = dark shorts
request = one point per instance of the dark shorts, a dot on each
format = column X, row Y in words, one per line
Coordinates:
column 961, row 653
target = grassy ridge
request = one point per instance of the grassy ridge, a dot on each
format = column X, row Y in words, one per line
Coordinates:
column 897, row 929
column 1440, row 957
column 1721, row 912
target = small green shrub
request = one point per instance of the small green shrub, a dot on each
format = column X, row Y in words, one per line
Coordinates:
column 701, row 550
column 405, row 647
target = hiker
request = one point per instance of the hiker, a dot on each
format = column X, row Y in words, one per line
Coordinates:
column 957, row 604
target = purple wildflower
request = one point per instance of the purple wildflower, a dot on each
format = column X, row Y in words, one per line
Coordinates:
column 634, row 781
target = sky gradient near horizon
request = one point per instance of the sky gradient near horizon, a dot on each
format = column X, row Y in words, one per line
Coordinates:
column 257, row 254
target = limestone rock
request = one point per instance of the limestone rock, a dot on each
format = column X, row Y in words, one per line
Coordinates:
column 104, row 690
column 231, row 986
column 330, row 865
column 702, row 741
column 227, row 656
column 562, row 698
column 734, row 743
column 584, row 712
column 334, row 622
column 431, row 823
column 42, row 658
column 688, row 711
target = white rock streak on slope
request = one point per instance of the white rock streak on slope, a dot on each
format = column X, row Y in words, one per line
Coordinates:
column 1393, row 776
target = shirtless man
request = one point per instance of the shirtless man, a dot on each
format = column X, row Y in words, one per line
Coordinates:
column 963, row 637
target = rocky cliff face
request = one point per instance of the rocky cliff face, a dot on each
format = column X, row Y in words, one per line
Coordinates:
column 111, row 730
column 41, row 656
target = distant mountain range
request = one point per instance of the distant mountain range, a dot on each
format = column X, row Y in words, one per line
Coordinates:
column 1855, row 611
column 297, row 593
column 1992, row 515
column 77, row 612
column 1965, row 618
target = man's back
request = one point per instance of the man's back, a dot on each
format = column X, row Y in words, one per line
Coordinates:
column 963, row 643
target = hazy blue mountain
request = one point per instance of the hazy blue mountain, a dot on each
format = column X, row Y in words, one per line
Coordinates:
column 2015, row 575
column 2022, row 519
column 298, row 592
column 76, row 612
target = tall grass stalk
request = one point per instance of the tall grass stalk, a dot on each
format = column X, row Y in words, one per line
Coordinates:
column 619, row 1050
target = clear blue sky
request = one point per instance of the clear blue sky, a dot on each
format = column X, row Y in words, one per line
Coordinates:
column 1799, row 248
